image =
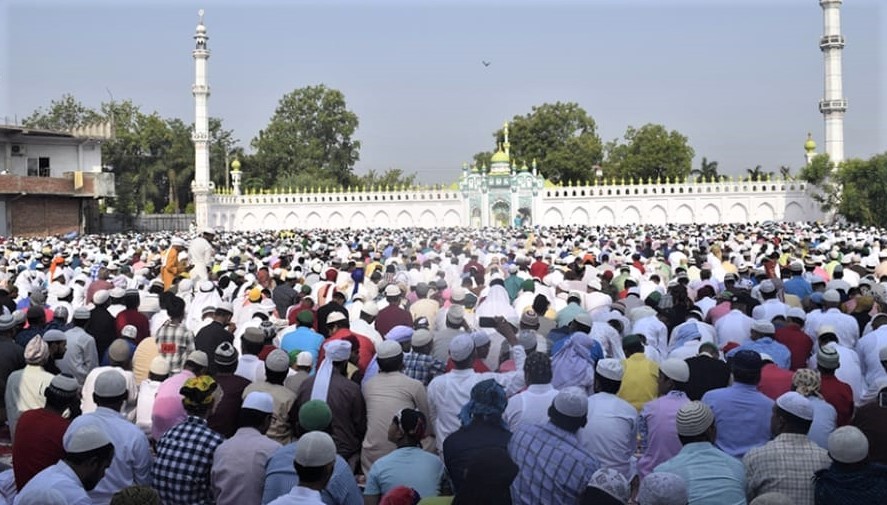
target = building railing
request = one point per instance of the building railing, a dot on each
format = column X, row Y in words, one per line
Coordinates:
column 405, row 195
column 677, row 189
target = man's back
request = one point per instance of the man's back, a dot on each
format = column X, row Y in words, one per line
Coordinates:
column 713, row 477
column 742, row 417
column 787, row 465
column 706, row 374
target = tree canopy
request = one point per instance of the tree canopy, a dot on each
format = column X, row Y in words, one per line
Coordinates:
column 649, row 152
column 855, row 189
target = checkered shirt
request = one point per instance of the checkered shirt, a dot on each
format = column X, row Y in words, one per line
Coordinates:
column 422, row 367
column 554, row 468
column 184, row 459
column 786, row 464
column 174, row 343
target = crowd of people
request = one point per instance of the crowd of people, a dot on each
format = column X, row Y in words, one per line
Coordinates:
column 652, row 365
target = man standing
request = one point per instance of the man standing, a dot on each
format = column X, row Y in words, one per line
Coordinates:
column 392, row 315
column 788, row 463
column 171, row 267
column 201, row 253
column 81, row 355
column 216, row 332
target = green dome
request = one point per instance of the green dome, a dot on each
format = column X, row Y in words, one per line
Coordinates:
column 500, row 157
column 810, row 145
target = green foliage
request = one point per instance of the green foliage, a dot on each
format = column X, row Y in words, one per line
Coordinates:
column 561, row 137
column 818, row 170
column 62, row 114
column 311, row 131
column 758, row 173
column 863, row 186
column 650, row 151
column 391, row 177
column 707, row 171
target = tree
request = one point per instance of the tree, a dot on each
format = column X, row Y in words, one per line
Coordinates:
column 785, row 172
column 708, row 170
column 758, row 173
column 311, row 130
column 63, row 114
column 650, row 151
column 392, row 177
column 854, row 190
column 561, row 137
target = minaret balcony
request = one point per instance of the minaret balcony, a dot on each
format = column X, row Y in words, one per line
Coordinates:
column 831, row 42
column 827, row 106
column 199, row 89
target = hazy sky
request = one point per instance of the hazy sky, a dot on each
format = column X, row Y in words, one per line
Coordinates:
column 740, row 78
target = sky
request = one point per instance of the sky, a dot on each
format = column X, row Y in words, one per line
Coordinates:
column 741, row 79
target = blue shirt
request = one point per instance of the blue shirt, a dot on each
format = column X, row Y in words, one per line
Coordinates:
column 280, row 478
column 713, row 477
column 302, row 338
column 798, row 286
column 781, row 355
column 742, row 417
column 408, row 466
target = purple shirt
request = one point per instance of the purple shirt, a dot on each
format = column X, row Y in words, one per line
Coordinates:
column 658, row 430
column 168, row 410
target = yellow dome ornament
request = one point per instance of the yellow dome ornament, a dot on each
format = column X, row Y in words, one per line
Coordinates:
column 810, row 145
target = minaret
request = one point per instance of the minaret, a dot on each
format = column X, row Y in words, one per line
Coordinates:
column 201, row 185
column 833, row 105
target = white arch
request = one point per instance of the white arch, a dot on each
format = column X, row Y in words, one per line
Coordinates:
column 291, row 221
column 404, row 219
column 738, row 214
column 605, row 217
column 658, row 216
column 711, row 214
column 682, row 215
column 250, row 222
column 336, row 220
column 381, row 220
column 358, row 220
column 427, row 219
column 579, row 216
column 269, row 222
column 451, row 218
column 795, row 212
column 630, row 215
column 313, row 220
column 552, row 217
column 765, row 212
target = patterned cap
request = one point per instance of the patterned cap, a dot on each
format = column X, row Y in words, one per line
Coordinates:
column 694, row 418
column 611, row 482
column 663, row 488
column 807, row 382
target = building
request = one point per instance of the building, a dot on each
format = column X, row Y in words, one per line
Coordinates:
column 50, row 181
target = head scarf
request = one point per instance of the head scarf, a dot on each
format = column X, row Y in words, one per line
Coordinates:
column 685, row 333
column 497, row 303
column 357, row 277
column 488, row 400
column 198, row 391
column 335, row 351
column 570, row 365
column 37, row 351
column 807, row 382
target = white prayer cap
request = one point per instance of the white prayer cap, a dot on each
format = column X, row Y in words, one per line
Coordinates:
column 675, row 369
column 257, row 400
column 117, row 293
column 315, row 449
column 796, row 404
column 422, row 337
column 392, row 290
column 159, row 366
column 571, row 402
column 277, row 361
column 663, row 488
column 177, row 241
column 768, row 287
column 481, row 338
column 763, row 327
column 694, row 418
column 226, row 306
column 461, row 347
column 54, row 336
column 304, row 358
column 583, row 318
column 388, row 349
column 198, row 358
column 457, row 294
column 337, row 350
column 84, row 437
column 797, row 313
column 848, row 444
column 335, row 317
column 110, row 384
column 101, row 296
column 206, row 286
column 831, row 296
column 129, row 331
column 611, row 482
column 370, row 308
column 610, row 369
column 64, row 383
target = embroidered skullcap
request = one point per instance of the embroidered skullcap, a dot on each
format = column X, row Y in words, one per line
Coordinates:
column 571, row 402
column 663, row 488
column 807, row 382
column 388, row 349
column 461, row 347
column 129, row 331
column 159, row 366
column 198, row 358
column 253, row 335
column 796, row 404
column 529, row 318
column 315, row 449
column 64, row 385
column 848, row 444
column 36, row 351
column 487, row 400
column 392, row 290
column 315, row 415
column 675, row 369
column 610, row 369
column 7, row 322
column 143, row 495
column 198, row 391
column 694, row 418
column 611, row 482
column 60, row 312
column 225, row 354
column 827, row 357
column 422, row 337
column 277, row 361
column 257, row 400
column 399, row 333
column 763, row 327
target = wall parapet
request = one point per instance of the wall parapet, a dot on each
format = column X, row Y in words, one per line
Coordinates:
column 336, row 197
column 677, row 189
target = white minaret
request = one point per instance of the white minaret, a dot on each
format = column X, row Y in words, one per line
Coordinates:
column 201, row 186
column 833, row 105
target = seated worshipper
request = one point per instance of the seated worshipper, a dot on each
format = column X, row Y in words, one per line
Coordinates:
column 663, row 488
column 871, row 418
column 25, row 388
column 314, row 462
column 121, row 361
column 342, row 395
column 530, row 406
column 742, row 413
column 136, row 495
column 88, row 454
column 303, row 363
column 238, row 470
column 38, row 441
column 554, row 468
column 791, row 334
column 453, row 323
column 482, row 427
column 487, row 480
column 640, row 381
column 339, row 330
column 142, row 356
column 762, row 342
column 419, row 363
column 659, row 440
column 168, row 409
column 81, row 355
column 277, row 365
column 606, row 487
column 224, row 418
column 158, row 373
column 57, row 342
column 131, row 316
column 611, row 434
column 127, row 334
column 481, row 352
column 400, row 495
column 393, row 314
column 787, row 463
column 712, row 476
column 385, row 393
column 132, row 453
column 216, row 332
column 573, row 363
column 707, row 371
column 280, row 476
column 303, row 338
column 184, row 455
column 851, row 478
column 408, row 465
column 836, row 392
column 448, row 393
column 775, row 380
column 849, row 365
column 807, row 382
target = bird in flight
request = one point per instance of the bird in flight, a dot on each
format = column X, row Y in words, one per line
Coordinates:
column 486, row 63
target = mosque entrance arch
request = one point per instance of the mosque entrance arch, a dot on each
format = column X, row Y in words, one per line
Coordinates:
column 501, row 213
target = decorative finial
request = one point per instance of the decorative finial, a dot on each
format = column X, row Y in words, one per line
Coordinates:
column 200, row 13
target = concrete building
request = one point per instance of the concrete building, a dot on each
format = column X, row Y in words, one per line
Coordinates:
column 50, row 181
